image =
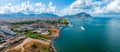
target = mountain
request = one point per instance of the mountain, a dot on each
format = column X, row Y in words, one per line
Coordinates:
column 83, row 14
column 79, row 15
column 28, row 15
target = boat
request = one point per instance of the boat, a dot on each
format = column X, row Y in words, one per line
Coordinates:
column 82, row 28
column 67, row 18
column 71, row 25
column 60, row 27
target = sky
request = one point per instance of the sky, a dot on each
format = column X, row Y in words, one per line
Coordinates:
column 61, row 7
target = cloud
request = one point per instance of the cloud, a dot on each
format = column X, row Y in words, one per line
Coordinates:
column 27, row 7
column 111, row 8
column 90, row 6
column 2, row 11
column 78, row 6
column 51, row 8
column 24, row 7
column 40, row 8
column 93, row 7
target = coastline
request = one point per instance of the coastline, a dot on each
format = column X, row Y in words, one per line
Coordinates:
column 53, row 46
column 52, row 41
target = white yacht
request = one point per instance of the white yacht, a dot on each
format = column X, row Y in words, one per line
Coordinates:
column 82, row 28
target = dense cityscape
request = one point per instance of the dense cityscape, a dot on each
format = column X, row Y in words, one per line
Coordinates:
column 41, row 29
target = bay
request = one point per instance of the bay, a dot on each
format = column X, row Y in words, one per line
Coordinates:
column 101, row 34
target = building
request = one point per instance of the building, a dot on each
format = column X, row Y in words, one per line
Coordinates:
column 2, row 35
column 7, row 31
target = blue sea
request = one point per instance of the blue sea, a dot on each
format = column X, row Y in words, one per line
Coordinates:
column 101, row 34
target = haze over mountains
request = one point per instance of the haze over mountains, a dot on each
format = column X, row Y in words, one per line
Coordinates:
column 43, row 15
column 28, row 15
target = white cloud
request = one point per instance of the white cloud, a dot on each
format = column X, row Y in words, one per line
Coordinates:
column 1, row 10
column 95, row 8
column 112, row 8
column 40, row 7
column 89, row 6
column 79, row 6
column 75, row 7
column 27, row 7
column 51, row 8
